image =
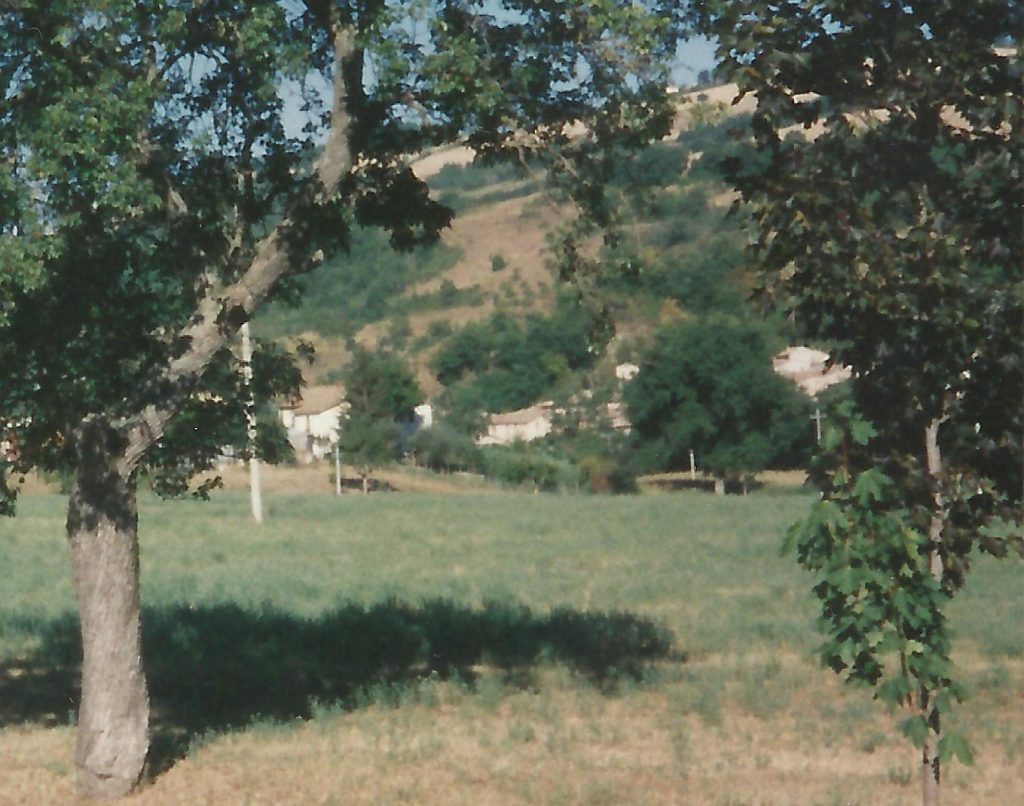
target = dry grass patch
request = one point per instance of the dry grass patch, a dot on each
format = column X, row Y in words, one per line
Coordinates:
column 513, row 229
column 316, row 479
column 557, row 743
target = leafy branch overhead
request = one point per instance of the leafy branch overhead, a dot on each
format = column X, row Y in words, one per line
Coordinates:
column 156, row 190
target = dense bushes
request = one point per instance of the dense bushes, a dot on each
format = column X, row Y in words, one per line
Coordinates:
column 540, row 466
column 524, row 464
column 382, row 393
column 509, row 364
column 445, row 449
column 359, row 287
column 707, row 385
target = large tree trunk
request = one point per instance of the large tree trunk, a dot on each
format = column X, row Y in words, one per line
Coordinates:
column 113, row 718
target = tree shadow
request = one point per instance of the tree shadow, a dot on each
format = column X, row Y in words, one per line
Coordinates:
column 215, row 667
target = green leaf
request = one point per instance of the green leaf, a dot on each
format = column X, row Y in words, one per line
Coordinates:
column 914, row 648
column 916, row 729
column 862, row 432
column 868, row 486
column 893, row 691
column 955, row 744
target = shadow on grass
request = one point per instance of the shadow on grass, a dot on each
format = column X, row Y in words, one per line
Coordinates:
column 216, row 667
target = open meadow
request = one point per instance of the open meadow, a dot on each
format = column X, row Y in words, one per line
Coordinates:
column 487, row 648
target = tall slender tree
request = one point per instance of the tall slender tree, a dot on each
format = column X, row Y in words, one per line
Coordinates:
column 887, row 210
column 382, row 394
column 155, row 190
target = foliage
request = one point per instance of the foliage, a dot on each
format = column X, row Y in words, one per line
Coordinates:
column 707, row 385
column 511, row 365
column 355, row 289
column 892, row 231
column 447, row 296
column 148, row 161
column 475, row 176
column 154, row 195
column 682, row 245
column 883, row 608
column 582, row 432
column 607, row 474
column 444, row 448
column 527, row 464
column 367, row 442
column 712, row 145
column 659, row 166
column 381, row 392
column 461, row 407
column 380, row 385
column 486, row 182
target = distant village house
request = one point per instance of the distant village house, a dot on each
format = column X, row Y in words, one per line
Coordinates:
column 809, row 369
column 312, row 421
column 522, row 425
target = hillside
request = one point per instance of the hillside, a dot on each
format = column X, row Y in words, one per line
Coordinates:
column 486, row 327
column 494, row 259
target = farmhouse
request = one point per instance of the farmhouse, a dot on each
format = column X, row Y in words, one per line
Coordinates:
column 626, row 371
column 809, row 369
column 522, row 425
column 312, row 421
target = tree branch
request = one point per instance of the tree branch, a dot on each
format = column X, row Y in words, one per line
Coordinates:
column 219, row 312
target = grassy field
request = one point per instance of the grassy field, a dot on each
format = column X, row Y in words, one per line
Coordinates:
column 487, row 649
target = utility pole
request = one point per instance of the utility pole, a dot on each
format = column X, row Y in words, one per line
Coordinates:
column 817, row 424
column 250, row 426
column 337, row 468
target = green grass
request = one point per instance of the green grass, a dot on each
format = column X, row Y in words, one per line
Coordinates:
column 708, row 569
column 521, row 612
column 361, row 286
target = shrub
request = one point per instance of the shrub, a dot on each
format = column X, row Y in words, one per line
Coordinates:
column 443, row 448
column 523, row 465
column 604, row 474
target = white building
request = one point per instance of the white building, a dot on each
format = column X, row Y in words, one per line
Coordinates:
column 626, row 371
column 809, row 369
column 523, row 425
column 423, row 416
column 312, row 421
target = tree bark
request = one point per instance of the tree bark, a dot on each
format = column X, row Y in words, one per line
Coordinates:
column 102, row 528
column 931, row 768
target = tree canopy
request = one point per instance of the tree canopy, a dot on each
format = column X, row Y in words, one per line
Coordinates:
column 887, row 206
column 156, row 189
column 167, row 167
column 382, row 393
column 707, row 385
column 501, row 364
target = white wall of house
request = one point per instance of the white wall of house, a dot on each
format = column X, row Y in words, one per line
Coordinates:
column 423, row 416
column 523, row 425
column 313, row 435
column 627, row 371
column 507, row 433
column 809, row 369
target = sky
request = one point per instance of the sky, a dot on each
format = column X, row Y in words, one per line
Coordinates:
column 692, row 57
